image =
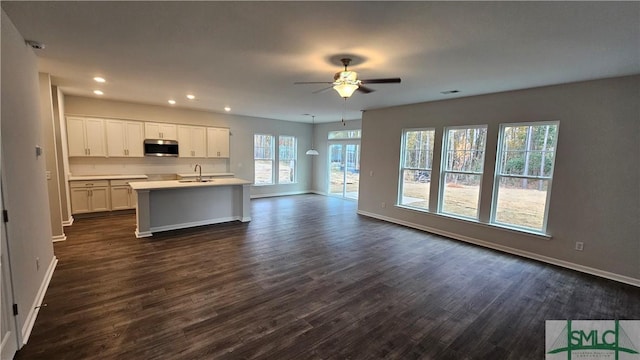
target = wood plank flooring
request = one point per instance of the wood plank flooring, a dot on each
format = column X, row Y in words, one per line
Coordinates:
column 308, row 278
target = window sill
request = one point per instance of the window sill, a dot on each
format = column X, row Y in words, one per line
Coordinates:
column 532, row 233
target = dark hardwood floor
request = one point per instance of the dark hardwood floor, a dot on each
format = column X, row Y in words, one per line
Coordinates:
column 306, row 279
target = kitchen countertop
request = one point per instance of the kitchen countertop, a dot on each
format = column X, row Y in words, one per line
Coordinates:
column 175, row 184
column 105, row 177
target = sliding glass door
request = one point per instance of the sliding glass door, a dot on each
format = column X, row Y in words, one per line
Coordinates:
column 344, row 169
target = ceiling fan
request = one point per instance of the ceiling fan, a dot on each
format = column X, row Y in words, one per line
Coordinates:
column 346, row 82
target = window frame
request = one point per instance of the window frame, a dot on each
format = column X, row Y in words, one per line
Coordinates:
column 444, row 171
column 272, row 159
column 294, row 154
column 498, row 176
column 404, row 168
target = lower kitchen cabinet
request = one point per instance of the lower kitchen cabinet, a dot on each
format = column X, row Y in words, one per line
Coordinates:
column 89, row 196
column 122, row 196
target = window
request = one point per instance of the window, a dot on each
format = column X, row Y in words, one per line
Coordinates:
column 415, row 168
column 461, row 174
column 344, row 134
column 286, row 159
column 263, row 153
column 524, row 170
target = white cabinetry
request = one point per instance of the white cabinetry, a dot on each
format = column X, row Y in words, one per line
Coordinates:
column 89, row 196
column 217, row 142
column 160, row 131
column 86, row 137
column 122, row 196
column 192, row 141
column 125, row 138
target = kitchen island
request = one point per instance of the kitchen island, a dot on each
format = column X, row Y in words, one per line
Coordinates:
column 177, row 204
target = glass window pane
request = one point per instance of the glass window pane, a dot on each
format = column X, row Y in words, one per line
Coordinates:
column 415, row 188
column 528, row 150
column 345, row 134
column 460, row 195
column 418, row 149
column 522, row 202
column 286, row 171
column 263, row 172
column 465, row 149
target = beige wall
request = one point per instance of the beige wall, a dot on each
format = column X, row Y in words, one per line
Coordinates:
column 23, row 175
column 242, row 130
column 596, row 187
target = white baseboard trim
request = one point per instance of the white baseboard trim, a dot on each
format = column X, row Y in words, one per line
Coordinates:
column 68, row 222
column 35, row 308
column 510, row 250
column 318, row 192
column 143, row 234
column 58, row 238
column 257, row 196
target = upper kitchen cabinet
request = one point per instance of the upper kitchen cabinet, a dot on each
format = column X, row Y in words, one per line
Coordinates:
column 86, row 137
column 192, row 141
column 217, row 142
column 160, row 131
column 125, row 138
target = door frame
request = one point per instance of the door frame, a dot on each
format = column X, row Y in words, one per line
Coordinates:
column 344, row 143
column 9, row 340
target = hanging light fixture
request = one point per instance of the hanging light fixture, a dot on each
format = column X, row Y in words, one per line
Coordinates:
column 312, row 151
column 346, row 82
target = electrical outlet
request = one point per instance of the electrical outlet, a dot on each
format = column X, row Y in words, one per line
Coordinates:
column 371, row 173
column 579, row 245
column 383, row 205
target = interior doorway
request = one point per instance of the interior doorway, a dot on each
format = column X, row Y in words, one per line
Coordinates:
column 344, row 169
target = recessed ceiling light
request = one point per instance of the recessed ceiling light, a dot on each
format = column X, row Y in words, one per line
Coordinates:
column 99, row 79
column 226, row 108
column 191, row 96
column 172, row 102
column 98, row 92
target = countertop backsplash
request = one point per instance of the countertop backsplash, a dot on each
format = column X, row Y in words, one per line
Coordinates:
column 156, row 168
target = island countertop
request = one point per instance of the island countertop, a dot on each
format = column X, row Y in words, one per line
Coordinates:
column 176, row 184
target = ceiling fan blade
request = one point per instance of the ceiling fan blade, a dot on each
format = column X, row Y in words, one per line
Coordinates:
column 322, row 90
column 312, row 82
column 381, row 81
column 364, row 89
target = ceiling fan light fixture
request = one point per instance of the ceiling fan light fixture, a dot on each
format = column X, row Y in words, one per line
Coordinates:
column 345, row 89
column 312, row 152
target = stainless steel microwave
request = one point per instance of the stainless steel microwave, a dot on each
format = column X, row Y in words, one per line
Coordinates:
column 159, row 147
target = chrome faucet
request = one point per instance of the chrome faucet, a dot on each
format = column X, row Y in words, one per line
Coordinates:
column 199, row 177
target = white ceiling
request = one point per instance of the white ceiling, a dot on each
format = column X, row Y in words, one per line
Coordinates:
column 247, row 55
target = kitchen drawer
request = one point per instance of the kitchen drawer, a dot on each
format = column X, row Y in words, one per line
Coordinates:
column 90, row 183
column 124, row 182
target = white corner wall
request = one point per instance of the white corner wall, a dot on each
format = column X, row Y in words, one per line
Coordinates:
column 595, row 196
column 23, row 177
